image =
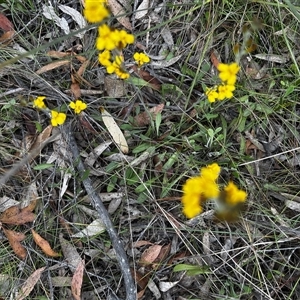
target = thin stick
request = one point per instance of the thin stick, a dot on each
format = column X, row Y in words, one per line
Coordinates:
column 103, row 214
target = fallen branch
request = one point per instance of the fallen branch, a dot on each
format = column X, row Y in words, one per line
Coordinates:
column 103, row 214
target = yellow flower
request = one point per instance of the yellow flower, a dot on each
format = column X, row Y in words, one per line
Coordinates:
column 95, row 11
column 107, row 38
column 225, row 91
column 212, row 94
column 122, row 39
column 234, row 196
column 105, row 58
column 197, row 190
column 57, row 118
column 117, row 68
column 228, row 72
column 78, row 106
column 141, row 58
column 211, row 172
column 39, row 102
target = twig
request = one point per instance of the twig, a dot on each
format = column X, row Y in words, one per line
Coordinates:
column 100, row 208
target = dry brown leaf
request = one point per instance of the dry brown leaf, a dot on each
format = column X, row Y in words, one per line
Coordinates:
column 145, row 75
column 14, row 239
column 75, row 89
column 44, row 245
column 29, row 284
column 140, row 244
column 82, row 68
column 164, row 252
column 16, row 216
column 42, row 138
column 7, row 37
column 120, row 13
column 114, row 130
column 52, row 66
column 151, row 254
column 77, row 281
column 5, row 24
column 70, row 253
column 145, row 117
column 58, row 54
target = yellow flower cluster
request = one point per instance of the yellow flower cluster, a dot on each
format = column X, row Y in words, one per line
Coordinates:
column 95, row 11
column 197, row 190
column 110, row 41
column 58, row 118
column 228, row 76
column 141, row 58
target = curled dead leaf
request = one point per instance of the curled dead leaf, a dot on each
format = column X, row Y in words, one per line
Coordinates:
column 44, row 245
column 16, row 216
column 14, row 239
column 5, row 24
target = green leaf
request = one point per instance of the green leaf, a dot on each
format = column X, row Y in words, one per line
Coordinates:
column 42, row 167
column 191, row 269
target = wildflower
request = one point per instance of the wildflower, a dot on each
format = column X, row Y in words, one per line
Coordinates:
column 141, row 58
column 228, row 72
column 225, row 91
column 105, row 58
column 107, row 38
column 78, row 106
column 116, row 67
column 212, row 94
column 233, row 195
column 95, row 11
column 122, row 39
column 39, row 102
column 57, row 118
column 198, row 189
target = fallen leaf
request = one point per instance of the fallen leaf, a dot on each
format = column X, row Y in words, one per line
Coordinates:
column 7, row 37
column 95, row 228
column 150, row 254
column 76, row 16
column 120, row 13
column 165, row 286
column 44, row 245
column 70, row 253
column 14, row 239
column 151, row 81
column 5, row 24
column 94, row 154
column 114, row 87
column 77, row 281
column 58, row 54
column 29, row 284
column 145, row 117
column 50, row 14
column 140, row 244
column 75, row 89
column 52, row 66
column 114, row 130
column 6, row 203
column 61, row 281
column 142, row 9
column 281, row 59
column 15, row 216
